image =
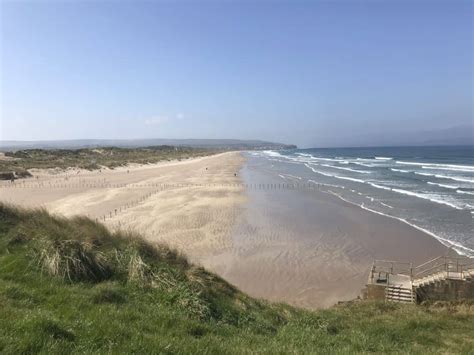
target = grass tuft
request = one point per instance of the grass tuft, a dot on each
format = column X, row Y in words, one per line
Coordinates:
column 70, row 285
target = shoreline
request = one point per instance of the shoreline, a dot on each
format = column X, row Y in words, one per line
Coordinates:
column 441, row 240
column 311, row 249
column 307, row 248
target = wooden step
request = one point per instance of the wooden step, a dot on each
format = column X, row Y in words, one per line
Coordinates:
column 401, row 294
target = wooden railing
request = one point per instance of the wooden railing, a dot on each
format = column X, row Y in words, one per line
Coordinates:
column 390, row 267
column 454, row 267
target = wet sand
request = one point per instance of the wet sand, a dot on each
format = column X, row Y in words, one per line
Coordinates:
column 301, row 246
column 310, row 248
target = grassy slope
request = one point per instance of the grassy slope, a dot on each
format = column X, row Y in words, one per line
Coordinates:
column 110, row 157
column 71, row 286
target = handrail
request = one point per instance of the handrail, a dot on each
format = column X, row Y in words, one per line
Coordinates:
column 449, row 264
column 391, row 261
column 441, row 263
column 440, row 257
column 432, row 268
column 429, row 261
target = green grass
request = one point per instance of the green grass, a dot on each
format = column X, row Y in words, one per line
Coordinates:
column 69, row 285
column 91, row 159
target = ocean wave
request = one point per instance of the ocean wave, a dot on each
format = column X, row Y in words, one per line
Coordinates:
column 443, row 185
column 427, row 197
column 379, row 186
column 459, row 248
column 286, row 176
column 321, row 183
column 435, row 166
column 272, row 153
column 349, row 178
column 384, row 204
column 383, row 158
column 454, row 178
column 317, row 171
column 465, row 192
column 334, row 176
column 347, row 169
column 363, row 164
column 326, row 159
column 399, row 170
column 424, row 174
column 449, row 169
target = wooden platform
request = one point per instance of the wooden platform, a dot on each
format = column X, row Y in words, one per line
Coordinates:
column 442, row 278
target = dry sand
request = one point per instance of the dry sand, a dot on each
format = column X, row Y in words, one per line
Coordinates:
column 303, row 247
column 191, row 205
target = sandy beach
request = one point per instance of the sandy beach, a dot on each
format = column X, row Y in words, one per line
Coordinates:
column 304, row 247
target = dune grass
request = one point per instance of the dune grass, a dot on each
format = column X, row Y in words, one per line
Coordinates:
column 69, row 285
column 17, row 163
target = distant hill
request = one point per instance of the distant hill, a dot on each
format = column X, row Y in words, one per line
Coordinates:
column 134, row 143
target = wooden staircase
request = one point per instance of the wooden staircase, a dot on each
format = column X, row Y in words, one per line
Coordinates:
column 406, row 284
column 443, row 268
column 443, row 275
column 398, row 293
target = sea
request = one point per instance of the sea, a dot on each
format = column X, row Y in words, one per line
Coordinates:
column 429, row 188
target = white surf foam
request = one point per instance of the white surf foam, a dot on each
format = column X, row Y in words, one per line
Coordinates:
column 465, row 192
column 349, row 178
column 330, row 185
column 426, row 197
column 399, row 170
column 459, row 248
column 272, row 153
column 347, row 169
column 363, row 164
column 454, row 178
column 383, row 158
column 449, row 169
column 379, row 186
column 443, row 185
column 434, row 166
column 317, row 171
column 286, row 176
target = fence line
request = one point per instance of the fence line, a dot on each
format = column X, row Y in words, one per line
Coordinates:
column 106, row 185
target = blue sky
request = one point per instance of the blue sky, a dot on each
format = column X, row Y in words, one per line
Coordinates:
column 313, row 73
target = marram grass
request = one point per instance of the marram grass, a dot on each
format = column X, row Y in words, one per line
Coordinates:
column 71, row 286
